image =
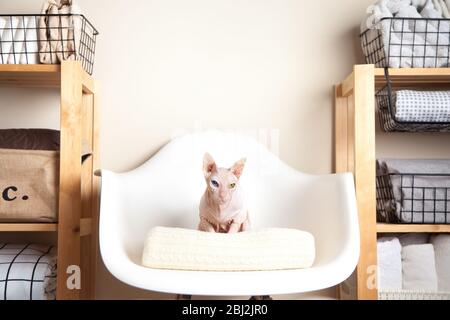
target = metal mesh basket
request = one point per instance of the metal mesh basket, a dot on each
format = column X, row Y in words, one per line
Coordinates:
column 47, row 39
column 419, row 200
column 386, row 100
column 408, row 43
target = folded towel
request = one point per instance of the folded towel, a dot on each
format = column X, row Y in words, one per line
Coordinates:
column 3, row 57
column 419, row 270
column 422, row 106
column 18, row 32
column 441, row 243
column 414, row 197
column 407, row 239
column 389, row 257
column 10, row 27
column 30, row 49
column 59, row 36
column 27, row 272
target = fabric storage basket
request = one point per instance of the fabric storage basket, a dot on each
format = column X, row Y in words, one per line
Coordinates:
column 413, row 110
column 407, row 43
column 47, row 39
column 413, row 197
column 412, row 295
column 29, row 175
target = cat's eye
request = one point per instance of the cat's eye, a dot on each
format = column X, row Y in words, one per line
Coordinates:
column 214, row 183
column 232, row 185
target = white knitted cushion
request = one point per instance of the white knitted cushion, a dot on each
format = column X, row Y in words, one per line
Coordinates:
column 267, row 249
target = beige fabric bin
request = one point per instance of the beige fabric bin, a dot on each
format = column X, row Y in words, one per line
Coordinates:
column 29, row 183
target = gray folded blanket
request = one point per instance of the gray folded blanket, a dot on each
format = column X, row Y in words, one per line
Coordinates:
column 413, row 191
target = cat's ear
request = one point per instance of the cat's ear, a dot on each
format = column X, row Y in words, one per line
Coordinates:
column 209, row 165
column 238, row 167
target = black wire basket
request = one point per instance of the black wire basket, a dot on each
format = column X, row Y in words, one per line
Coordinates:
column 408, row 43
column 47, row 39
column 387, row 114
column 412, row 198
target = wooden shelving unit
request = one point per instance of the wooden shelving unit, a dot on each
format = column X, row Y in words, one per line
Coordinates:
column 78, row 187
column 355, row 152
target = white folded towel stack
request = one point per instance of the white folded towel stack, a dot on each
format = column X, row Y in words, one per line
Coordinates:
column 419, row 269
column 441, row 243
column 389, row 256
column 18, row 39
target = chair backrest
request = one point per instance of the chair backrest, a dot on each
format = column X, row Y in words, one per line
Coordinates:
column 165, row 191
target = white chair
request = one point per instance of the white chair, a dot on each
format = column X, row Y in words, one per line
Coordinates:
column 165, row 191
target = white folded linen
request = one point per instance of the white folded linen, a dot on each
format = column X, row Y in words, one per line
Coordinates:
column 255, row 250
column 19, row 25
column 27, row 272
column 30, row 55
column 389, row 255
column 441, row 243
column 419, row 269
column 2, row 30
column 10, row 27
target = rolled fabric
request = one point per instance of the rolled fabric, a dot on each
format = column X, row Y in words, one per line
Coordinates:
column 389, row 255
column 27, row 272
column 266, row 249
column 419, row 268
column 422, row 106
column 441, row 243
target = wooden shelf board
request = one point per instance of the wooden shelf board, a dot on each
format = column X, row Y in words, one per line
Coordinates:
column 30, row 75
column 400, row 228
column 410, row 77
column 38, row 75
column 28, row 227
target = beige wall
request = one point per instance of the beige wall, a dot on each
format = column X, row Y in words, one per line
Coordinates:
column 166, row 65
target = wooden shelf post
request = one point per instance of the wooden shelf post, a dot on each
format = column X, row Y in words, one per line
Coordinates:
column 355, row 152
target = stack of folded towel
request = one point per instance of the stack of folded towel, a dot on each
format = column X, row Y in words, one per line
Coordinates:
column 27, row 272
column 410, row 42
column 414, row 263
column 413, row 190
column 19, row 40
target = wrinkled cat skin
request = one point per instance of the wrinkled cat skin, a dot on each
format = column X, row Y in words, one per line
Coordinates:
column 222, row 206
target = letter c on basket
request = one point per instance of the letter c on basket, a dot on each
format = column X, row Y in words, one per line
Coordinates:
column 5, row 194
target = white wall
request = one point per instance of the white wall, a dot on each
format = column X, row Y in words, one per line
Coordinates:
column 166, row 65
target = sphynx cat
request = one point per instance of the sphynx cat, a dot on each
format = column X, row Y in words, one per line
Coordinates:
column 222, row 206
